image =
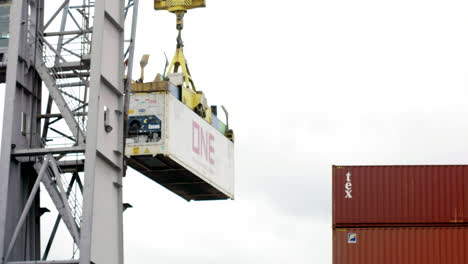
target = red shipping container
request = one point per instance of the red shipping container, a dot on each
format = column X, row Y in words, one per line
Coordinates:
column 424, row 245
column 400, row 195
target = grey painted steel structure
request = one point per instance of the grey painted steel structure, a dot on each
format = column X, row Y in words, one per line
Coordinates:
column 22, row 101
column 81, row 63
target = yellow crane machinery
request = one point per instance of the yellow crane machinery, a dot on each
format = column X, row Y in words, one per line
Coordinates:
column 189, row 95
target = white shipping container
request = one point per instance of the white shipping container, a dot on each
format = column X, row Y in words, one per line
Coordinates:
column 186, row 155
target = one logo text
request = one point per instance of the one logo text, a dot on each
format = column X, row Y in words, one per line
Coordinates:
column 203, row 143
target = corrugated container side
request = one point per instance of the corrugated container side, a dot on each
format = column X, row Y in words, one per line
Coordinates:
column 197, row 145
column 400, row 195
column 401, row 246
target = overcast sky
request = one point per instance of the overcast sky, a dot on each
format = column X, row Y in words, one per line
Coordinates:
column 308, row 84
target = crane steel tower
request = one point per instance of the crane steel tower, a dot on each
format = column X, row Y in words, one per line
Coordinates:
column 69, row 134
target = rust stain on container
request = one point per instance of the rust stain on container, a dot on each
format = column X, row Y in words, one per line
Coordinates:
column 400, row 195
column 422, row 245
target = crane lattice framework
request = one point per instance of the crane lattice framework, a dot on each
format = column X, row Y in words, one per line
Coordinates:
column 69, row 134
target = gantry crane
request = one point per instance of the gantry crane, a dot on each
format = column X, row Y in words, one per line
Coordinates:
column 71, row 143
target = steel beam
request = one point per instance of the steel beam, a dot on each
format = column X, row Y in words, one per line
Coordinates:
column 22, row 99
column 45, row 151
column 62, row 134
column 80, row 184
column 71, row 166
column 73, row 84
column 59, row 198
column 71, row 96
column 101, row 229
column 65, row 3
column 79, row 27
column 45, row 262
column 59, row 100
column 57, row 221
column 27, row 207
column 64, row 33
column 83, row 64
column 73, row 75
column 60, row 115
column 131, row 53
column 62, row 28
column 57, row 54
column 45, row 129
